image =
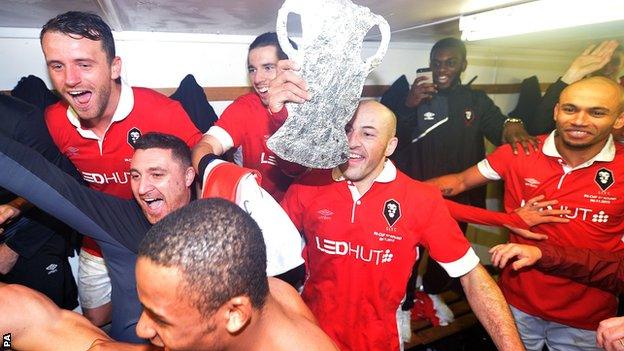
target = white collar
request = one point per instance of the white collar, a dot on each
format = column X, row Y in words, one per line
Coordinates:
column 124, row 107
column 388, row 173
column 607, row 154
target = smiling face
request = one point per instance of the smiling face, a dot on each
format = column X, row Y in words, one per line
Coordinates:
column 169, row 318
column 447, row 64
column 81, row 72
column 160, row 183
column 587, row 112
column 371, row 140
column 262, row 68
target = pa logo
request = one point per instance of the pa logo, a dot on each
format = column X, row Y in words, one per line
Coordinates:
column 6, row 341
column 392, row 211
column 604, row 179
column 133, row 136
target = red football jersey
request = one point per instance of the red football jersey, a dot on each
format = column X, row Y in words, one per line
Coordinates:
column 593, row 192
column 361, row 249
column 247, row 123
column 105, row 163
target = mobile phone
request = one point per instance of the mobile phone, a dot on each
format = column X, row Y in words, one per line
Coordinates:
column 425, row 72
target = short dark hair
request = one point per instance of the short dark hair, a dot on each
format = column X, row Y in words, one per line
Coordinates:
column 83, row 24
column 449, row 43
column 270, row 39
column 154, row 140
column 218, row 248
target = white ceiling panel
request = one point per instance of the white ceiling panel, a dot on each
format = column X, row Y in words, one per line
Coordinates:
column 410, row 20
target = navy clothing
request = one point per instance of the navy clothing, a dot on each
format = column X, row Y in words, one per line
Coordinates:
column 195, row 103
column 117, row 225
column 34, row 91
column 543, row 121
column 40, row 240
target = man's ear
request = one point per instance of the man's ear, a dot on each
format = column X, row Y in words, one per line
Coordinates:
column 392, row 144
column 189, row 176
column 619, row 121
column 464, row 65
column 238, row 312
column 116, row 68
column 555, row 112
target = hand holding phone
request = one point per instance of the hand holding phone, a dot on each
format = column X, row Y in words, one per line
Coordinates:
column 424, row 72
column 422, row 89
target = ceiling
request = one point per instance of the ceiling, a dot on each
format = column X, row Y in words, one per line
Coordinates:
column 410, row 20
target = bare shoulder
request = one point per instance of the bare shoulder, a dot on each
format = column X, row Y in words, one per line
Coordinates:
column 300, row 326
column 289, row 299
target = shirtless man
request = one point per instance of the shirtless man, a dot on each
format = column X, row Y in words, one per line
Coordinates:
column 186, row 305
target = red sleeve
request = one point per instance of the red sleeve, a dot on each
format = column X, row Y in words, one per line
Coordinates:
column 233, row 121
column 55, row 129
column 600, row 269
column 181, row 123
column 278, row 119
column 441, row 234
column 292, row 205
column 476, row 215
column 500, row 159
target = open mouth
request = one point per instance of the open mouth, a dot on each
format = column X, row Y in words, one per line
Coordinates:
column 154, row 204
column 443, row 79
column 355, row 158
column 81, row 97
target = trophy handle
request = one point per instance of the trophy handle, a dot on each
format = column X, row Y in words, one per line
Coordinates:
column 384, row 29
column 282, row 30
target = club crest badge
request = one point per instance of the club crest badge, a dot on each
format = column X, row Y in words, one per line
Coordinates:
column 133, row 136
column 392, row 211
column 604, row 179
column 469, row 116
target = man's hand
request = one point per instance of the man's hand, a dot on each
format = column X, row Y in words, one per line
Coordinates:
column 8, row 258
column 536, row 212
column 420, row 92
column 610, row 334
column 525, row 255
column 590, row 61
column 7, row 213
column 287, row 86
column 514, row 133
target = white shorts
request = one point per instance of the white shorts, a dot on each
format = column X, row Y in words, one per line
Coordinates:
column 94, row 286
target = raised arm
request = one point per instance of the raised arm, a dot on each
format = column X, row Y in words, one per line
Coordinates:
column 105, row 218
column 36, row 323
column 600, row 269
column 453, row 184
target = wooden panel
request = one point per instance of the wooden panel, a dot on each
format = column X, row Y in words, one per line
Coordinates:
column 231, row 93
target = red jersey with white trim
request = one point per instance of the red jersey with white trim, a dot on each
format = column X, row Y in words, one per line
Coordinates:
column 105, row 164
column 360, row 250
column 594, row 192
column 249, row 124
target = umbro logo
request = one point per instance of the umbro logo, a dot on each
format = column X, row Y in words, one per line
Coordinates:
column 52, row 268
column 325, row 213
column 532, row 182
column 71, row 151
column 429, row 116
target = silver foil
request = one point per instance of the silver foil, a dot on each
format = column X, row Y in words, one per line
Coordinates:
column 331, row 63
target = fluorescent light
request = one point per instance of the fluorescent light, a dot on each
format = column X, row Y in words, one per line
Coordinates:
column 538, row 16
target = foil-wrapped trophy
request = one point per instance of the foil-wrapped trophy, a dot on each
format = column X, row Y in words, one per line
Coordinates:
column 331, row 63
